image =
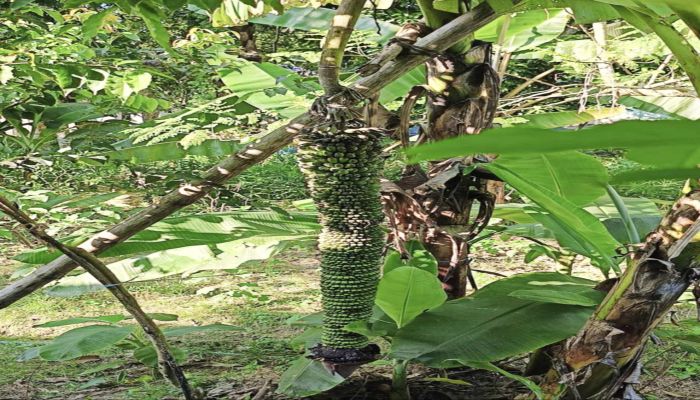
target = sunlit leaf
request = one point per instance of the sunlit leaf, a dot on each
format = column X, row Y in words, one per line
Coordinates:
column 307, row 377
column 406, row 292
column 83, row 341
column 81, row 320
column 503, row 326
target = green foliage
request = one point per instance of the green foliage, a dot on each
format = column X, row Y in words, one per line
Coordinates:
column 406, row 292
column 409, row 287
column 307, row 377
column 318, row 19
column 526, row 30
column 82, row 341
column 506, row 318
column 675, row 107
column 64, row 70
column 573, row 227
column 270, row 87
column 641, row 138
column 503, row 325
column 663, row 186
column 187, row 245
column 555, row 297
column 561, row 119
column 577, row 177
column 94, row 339
column 616, row 215
column 416, row 256
column 684, row 334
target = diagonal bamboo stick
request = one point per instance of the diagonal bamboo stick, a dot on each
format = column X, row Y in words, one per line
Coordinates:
column 337, row 38
column 166, row 362
column 439, row 40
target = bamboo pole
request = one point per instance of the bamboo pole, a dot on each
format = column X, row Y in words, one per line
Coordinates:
column 166, row 361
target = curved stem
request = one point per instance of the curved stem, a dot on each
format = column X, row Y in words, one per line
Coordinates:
column 631, row 229
column 334, row 45
column 434, row 18
column 166, row 361
column 399, row 385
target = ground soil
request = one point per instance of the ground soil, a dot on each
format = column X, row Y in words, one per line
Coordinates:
column 246, row 364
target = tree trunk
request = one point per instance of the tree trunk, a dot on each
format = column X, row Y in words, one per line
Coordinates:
column 601, row 359
column 462, row 92
column 249, row 48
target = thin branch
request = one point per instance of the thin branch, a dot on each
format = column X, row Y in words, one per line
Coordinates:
column 527, row 83
column 337, row 38
column 659, row 70
column 166, row 362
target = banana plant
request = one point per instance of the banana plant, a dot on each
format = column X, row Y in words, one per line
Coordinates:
column 506, row 318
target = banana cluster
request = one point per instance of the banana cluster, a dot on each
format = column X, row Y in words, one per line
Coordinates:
column 342, row 168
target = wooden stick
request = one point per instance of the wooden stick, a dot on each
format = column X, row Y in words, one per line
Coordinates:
column 166, row 362
column 527, row 83
column 337, row 38
column 439, row 40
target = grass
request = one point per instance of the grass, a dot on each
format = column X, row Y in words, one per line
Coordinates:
column 259, row 350
column 235, row 363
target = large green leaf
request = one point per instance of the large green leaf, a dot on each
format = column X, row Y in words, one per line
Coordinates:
column 94, row 23
column 674, row 106
column 406, row 292
column 269, row 87
column 643, row 213
column 379, row 325
column 165, row 151
column 111, row 319
column 564, row 118
column 500, row 6
column 181, row 261
column 586, row 11
column 83, row 341
column 418, row 257
column 308, row 18
column 688, row 11
column 573, row 227
column 400, row 87
column 63, row 114
column 490, row 325
column 577, row 177
column 153, row 17
column 661, row 143
column 558, row 297
column 203, row 229
column 526, row 30
column 307, row 377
